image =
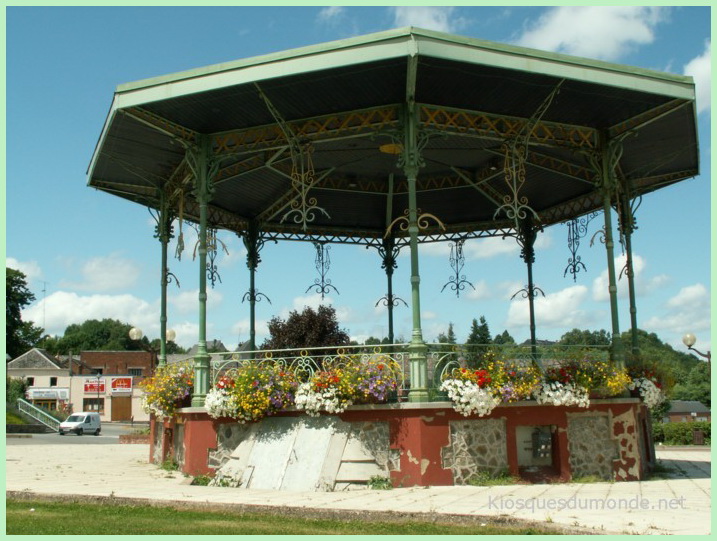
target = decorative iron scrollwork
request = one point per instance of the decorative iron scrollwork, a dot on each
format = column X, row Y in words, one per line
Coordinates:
column 457, row 260
column 322, row 284
column 421, row 221
column 212, row 244
column 528, row 292
column 577, row 229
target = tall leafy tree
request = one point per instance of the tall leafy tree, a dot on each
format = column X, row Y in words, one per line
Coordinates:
column 478, row 341
column 503, row 338
column 95, row 335
column 310, row 328
column 19, row 335
column 577, row 337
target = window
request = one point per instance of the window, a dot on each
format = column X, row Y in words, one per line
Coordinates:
column 96, row 370
column 53, row 382
column 90, row 404
column 30, row 382
column 135, row 371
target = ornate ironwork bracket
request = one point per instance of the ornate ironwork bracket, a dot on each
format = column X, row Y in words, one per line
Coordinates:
column 577, row 229
column 254, row 296
column 422, row 222
column 303, row 208
column 322, row 284
column 212, row 244
column 528, row 292
column 164, row 232
column 514, row 206
column 457, row 260
column 601, row 238
column 391, row 300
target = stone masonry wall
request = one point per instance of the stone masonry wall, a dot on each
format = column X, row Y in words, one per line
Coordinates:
column 476, row 446
column 592, row 449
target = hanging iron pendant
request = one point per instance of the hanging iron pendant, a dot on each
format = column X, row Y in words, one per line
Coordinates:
column 528, row 292
column 457, row 260
column 577, row 229
column 323, row 263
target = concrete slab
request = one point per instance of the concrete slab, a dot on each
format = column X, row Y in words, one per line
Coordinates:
column 122, row 471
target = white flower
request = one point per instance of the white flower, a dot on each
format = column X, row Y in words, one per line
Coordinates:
column 562, row 394
column 468, row 398
column 313, row 402
column 649, row 392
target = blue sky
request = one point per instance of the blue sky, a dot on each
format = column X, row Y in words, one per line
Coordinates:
column 95, row 256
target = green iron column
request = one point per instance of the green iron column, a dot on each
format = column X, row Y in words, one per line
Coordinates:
column 202, row 192
column 253, row 245
column 389, row 253
column 164, row 233
column 627, row 226
column 527, row 234
column 417, row 349
column 608, row 161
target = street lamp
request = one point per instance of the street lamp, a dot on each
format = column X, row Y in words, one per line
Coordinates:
column 135, row 333
column 170, row 335
column 689, row 340
column 98, row 374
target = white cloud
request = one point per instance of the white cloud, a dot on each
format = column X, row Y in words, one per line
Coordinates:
column 441, row 19
column 30, row 269
column 601, row 32
column 643, row 284
column 187, row 302
column 508, row 288
column 108, row 273
column 481, row 291
column 688, row 311
column 562, row 309
column 241, row 329
column 331, row 13
column 64, row 308
column 700, row 68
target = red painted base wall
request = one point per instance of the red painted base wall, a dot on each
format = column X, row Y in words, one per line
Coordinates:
column 420, row 431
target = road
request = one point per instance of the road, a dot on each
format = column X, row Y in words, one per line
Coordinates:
column 110, row 435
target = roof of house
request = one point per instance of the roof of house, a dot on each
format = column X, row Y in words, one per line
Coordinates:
column 687, row 406
column 35, row 358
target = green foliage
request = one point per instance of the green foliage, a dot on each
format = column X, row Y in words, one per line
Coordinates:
column 378, row 482
column 477, row 344
column 20, row 335
column 503, row 338
column 486, row 479
column 13, row 419
column 658, row 431
column 202, row 480
column 578, row 337
column 94, row 335
column 172, row 347
column 14, row 388
column 169, row 464
column 696, row 386
column 682, row 433
column 310, row 328
column 449, row 337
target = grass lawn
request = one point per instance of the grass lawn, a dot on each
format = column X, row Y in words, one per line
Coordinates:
column 27, row 517
column 12, row 419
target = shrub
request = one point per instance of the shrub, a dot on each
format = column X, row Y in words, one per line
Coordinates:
column 682, row 433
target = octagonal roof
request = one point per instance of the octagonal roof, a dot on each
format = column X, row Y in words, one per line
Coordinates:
column 338, row 111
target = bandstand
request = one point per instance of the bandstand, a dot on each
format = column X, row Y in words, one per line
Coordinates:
column 391, row 140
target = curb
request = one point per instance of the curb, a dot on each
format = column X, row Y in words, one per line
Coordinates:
column 18, row 435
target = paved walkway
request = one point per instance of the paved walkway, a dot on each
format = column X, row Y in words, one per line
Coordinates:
column 678, row 504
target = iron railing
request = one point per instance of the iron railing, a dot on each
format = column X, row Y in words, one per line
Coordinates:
column 442, row 359
column 38, row 414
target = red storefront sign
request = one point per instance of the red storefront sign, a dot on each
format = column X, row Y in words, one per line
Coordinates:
column 91, row 385
column 121, row 385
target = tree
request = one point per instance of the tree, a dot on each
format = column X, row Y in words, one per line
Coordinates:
column 310, row 328
column 171, row 347
column 478, row 340
column 19, row 335
column 449, row 337
column 504, row 338
column 95, row 335
column 578, row 337
column 696, row 387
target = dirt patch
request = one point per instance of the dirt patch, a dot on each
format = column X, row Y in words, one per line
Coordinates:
column 134, row 438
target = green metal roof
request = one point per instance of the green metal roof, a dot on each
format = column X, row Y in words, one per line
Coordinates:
column 346, row 99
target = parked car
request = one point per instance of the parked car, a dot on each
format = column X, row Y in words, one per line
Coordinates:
column 81, row 423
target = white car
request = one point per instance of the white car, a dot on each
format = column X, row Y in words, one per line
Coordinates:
column 81, row 423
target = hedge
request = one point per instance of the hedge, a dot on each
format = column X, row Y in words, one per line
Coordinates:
column 680, row 433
